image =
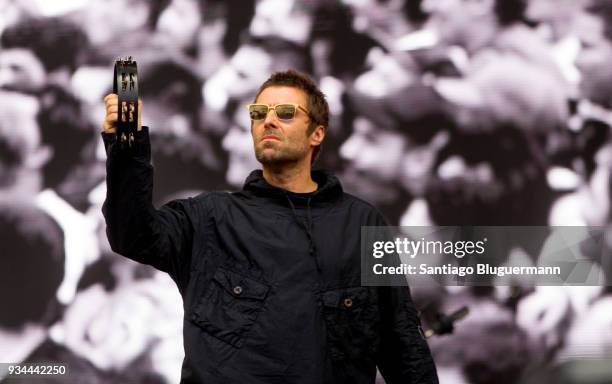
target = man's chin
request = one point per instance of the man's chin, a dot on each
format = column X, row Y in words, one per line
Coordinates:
column 266, row 154
column 275, row 156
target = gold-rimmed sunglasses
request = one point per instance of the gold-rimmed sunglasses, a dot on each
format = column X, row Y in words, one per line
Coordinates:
column 284, row 111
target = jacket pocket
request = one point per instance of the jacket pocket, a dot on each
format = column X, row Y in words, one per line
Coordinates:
column 230, row 306
column 352, row 320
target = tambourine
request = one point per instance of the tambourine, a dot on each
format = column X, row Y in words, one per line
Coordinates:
column 125, row 85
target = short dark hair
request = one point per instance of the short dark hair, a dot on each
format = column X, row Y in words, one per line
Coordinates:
column 55, row 41
column 31, row 266
column 603, row 10
column 61, row 116
column 510, row 11
column 501, row 355
column 173, row 83
column 317, row 105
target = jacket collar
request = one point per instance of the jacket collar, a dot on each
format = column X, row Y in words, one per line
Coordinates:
column 329, row 186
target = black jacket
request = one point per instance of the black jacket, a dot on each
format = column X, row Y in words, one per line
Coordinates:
column 270, row 282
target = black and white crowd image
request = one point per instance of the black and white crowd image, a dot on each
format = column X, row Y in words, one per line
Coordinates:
column 442, row 113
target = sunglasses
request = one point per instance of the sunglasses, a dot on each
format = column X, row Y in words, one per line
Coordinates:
column 283, row 111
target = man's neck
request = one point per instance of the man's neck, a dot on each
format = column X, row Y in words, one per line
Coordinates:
column 294, row 178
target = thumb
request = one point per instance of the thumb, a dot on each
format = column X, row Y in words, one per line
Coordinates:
column 139, row 114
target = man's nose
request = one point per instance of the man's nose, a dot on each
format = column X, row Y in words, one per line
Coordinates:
column 271, row 119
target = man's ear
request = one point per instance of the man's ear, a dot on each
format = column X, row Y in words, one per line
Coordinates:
column 317, row 136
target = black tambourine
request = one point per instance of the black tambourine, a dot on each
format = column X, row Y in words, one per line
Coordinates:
column 125, row 85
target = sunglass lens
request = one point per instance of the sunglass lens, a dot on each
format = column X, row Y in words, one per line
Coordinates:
column 285, row 111
column 258, row 112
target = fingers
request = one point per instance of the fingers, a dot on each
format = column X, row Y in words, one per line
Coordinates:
column 110, row 122
column 112, row 98
column 111, row 104
column 139, row 114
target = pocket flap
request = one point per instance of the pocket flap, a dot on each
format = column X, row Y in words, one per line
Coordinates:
column 240, row 286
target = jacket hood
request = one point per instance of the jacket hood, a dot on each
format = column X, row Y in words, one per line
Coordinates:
column 329, row 190
column 329, row 186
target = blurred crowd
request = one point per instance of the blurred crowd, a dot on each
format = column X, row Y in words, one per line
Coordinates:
column 443, row 112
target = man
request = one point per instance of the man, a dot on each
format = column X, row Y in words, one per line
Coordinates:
column 397, row 184
column 593, row 198
column 557, row 21
column 589, row 204
column 596, row 38
column 33, row 251
column 505, row 99
column 239, row 146
column 387, row 22
column 270, row 275
column 23, row 162
column 510, row 76
column 510, row 98
column 40, row 51
column 23, row 152
column 486, row 348
column 174, row 97
column 366, row 175
column 39, row 56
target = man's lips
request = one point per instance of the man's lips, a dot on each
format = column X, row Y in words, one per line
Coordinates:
column 270, row 137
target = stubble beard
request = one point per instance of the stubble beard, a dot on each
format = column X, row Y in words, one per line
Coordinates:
column 279, row 156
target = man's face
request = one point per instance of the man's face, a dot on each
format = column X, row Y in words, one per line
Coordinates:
column 18, row 122
column 273, row 16
column 374, row 161
column 282, row 141
column 20, row 133
column 368, row 14
column 594, row 60
column 20, row 70
column 103, row 22
column 238, row 144
column 450, row 18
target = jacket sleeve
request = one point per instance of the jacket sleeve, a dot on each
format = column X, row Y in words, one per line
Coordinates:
column 404, row 356
column 161, row 237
